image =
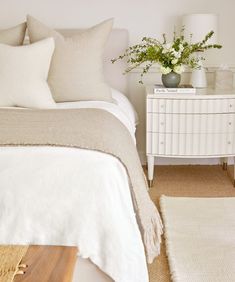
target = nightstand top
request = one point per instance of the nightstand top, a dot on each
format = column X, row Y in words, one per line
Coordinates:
column 200, row 94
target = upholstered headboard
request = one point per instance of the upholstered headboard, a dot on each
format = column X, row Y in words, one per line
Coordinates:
column 116, row 45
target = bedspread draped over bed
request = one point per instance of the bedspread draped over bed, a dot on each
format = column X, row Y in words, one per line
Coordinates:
column 90, row 129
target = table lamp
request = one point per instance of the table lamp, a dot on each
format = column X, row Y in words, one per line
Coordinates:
column 198, row 25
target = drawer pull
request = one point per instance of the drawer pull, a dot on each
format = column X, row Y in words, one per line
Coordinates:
column 162, row 143
column 229, row 142
column 230, row 105
column 162, row 123
column 230, row 123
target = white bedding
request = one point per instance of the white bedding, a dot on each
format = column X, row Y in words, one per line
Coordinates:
column 122, row 109
column 67, row 196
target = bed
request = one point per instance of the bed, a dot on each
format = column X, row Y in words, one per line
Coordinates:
column 43, row 167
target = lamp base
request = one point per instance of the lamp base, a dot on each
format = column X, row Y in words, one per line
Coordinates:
column 198, row 78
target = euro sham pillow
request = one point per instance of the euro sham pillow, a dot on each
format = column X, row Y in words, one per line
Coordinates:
column 76, row 72
column 13, row 36
column 23, row 75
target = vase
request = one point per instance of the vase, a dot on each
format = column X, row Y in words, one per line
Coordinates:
column 171, row 80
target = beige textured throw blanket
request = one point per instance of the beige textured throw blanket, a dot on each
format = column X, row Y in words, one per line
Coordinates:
column 91, row 129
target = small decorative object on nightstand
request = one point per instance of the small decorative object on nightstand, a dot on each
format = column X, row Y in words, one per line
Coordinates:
column 171, row 80
column 200, row 125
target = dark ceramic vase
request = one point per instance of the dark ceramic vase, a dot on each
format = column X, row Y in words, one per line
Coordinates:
column 171, row 80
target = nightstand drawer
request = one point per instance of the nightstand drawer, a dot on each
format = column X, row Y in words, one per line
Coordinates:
column 190, row 106
column 190, row 144
column 191, row 123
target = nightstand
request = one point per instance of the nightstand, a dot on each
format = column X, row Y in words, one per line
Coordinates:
column 200, row 125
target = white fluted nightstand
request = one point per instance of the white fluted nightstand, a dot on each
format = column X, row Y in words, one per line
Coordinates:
column 200, row 125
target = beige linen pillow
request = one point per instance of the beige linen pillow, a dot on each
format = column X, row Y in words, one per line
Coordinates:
column 76, row 71
column 23, row 75
column 13, row 36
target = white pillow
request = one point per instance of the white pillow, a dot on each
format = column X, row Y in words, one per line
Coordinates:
column 23, row 75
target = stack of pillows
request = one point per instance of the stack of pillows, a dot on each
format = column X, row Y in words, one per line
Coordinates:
column 52, row 68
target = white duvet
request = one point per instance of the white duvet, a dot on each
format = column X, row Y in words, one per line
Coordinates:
column 68, row 196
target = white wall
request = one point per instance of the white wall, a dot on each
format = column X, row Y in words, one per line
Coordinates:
column 141, row 18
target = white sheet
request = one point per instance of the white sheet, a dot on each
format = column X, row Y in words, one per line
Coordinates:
column 67, row 196
column 86, row 271
column 122, row 109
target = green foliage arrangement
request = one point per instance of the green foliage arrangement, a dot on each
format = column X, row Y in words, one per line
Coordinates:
column 171, row 56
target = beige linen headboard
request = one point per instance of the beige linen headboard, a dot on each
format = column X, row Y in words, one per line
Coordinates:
column 116, row 45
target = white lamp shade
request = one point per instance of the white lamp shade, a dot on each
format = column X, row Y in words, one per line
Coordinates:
column 199, row 25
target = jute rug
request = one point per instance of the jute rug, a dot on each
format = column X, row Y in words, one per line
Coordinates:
column 10, row 258
column 185, row 181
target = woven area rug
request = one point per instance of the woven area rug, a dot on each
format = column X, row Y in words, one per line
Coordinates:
column 10, row 258
column 200, row 238
column 185, row 181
